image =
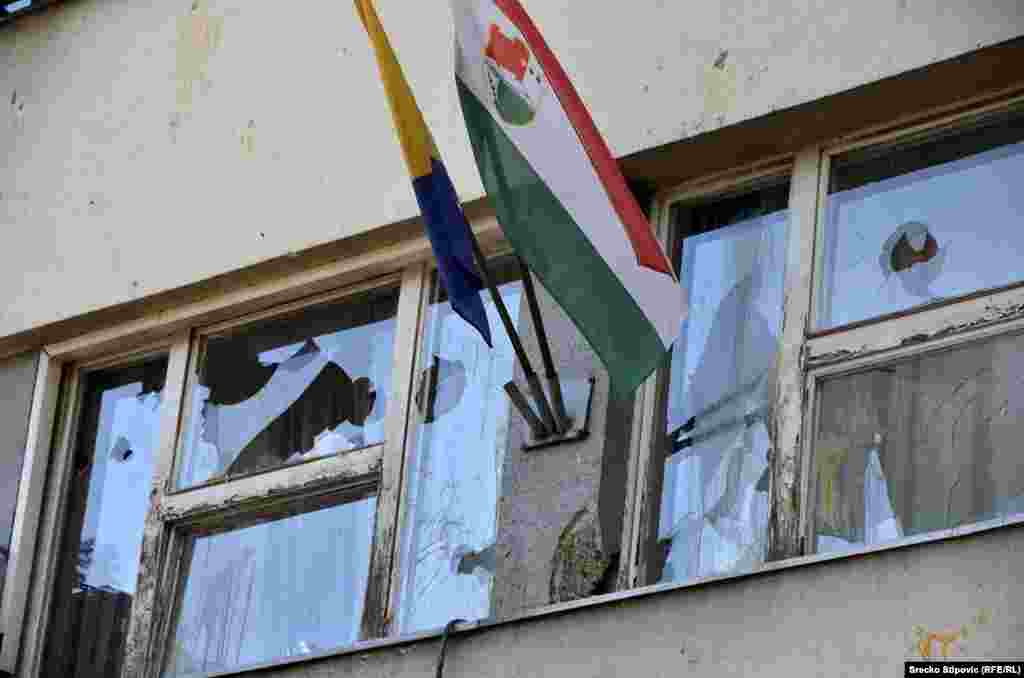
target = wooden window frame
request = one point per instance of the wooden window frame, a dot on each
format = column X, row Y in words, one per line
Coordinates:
column 175, row 513
column 807, row 355
column 805, row 358
column 892, row 337
column 644, row 480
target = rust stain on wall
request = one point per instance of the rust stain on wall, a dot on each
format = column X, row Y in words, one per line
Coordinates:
column 199, row 35
column 949, row 642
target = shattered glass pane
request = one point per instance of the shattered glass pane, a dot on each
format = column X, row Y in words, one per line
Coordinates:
column 450, row 516
column 714, row 493
column 285, row 588
column 923, row 222
column 17, row 379
column 921, row 445
column 108, row 500
column 290, row 389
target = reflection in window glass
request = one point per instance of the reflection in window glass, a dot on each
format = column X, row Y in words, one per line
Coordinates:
column 290, row 389
column 108, row 499
column 714, row 493
column 280, row 589
column 17, row 379
column 452, row 483
column 926, row 444
column 927, row 221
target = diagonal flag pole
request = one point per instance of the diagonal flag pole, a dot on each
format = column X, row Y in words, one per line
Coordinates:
column 536, row 390
column 445, row 221
column 554, row 386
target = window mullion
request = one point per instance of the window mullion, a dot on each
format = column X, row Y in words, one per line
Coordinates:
column 376, row 617
column 643, row 486
column 784, row 521
column 146, row 609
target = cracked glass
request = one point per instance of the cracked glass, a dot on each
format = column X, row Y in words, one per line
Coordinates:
column 492, row 526
column 924, row 444
column 924, row 221
column 290, row 389
column 713, row 512
column 453, row 480
column 109, row 495
column 284, row 588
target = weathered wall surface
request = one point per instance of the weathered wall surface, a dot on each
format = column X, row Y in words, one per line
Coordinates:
column 855, row 617
column 151, row 145
column 561, row 507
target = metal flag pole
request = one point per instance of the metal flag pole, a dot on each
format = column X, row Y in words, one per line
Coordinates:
column 532, row 380
column 554, row 386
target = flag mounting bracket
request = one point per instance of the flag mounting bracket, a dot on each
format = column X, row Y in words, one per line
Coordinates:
column 579, row 398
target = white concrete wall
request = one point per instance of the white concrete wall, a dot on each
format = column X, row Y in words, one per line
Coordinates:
column 856, row 617
column 148, row 145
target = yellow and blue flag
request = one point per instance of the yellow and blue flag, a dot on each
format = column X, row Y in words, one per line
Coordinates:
column 445, row 221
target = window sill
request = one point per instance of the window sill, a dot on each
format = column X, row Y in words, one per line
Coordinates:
column 1015, row 520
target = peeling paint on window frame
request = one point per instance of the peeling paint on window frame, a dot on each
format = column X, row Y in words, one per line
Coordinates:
column 805, row 359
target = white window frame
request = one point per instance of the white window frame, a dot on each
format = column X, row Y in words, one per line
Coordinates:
column 28, row 506
column 875, row 342
column 651, row 398
column 53, row 428
column 806, row 356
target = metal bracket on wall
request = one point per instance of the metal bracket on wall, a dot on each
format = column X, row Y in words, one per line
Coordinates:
column 579, row 397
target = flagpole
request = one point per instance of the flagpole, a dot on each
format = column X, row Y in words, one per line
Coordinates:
column 521, row 404
column 555, row 388
column 532, row 380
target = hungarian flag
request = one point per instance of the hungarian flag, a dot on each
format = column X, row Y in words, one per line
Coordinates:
column 558, row 192
column 445, row 222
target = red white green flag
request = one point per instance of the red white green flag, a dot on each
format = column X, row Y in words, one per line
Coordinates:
column 558, row 192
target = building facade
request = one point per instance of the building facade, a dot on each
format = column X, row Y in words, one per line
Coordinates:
column 243, row 433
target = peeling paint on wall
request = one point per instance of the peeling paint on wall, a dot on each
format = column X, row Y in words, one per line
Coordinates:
column 719, row 86
column 199, row 35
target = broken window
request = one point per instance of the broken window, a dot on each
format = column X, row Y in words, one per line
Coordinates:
column 925, row 444
column 924, row 221
column 458, row 448
column 110, row 484
column 290, row 389
column 489, row 527
column 17, row 377
column 265, row 592
column 721, row 388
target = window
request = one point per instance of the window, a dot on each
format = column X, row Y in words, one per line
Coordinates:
column 911, row 224
column 285, row 421
column 489, row 528
column 277, row 589
column 289, row 389
column 450, row 522
column 111, row 475
column 922, row 444
column 343, row 464
column 714, row 444
column 915, row 423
